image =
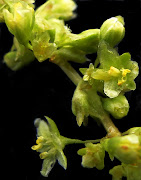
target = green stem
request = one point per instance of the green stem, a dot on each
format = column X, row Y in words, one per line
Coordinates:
column 67, row 141
column 109, row 126
column 70, row 72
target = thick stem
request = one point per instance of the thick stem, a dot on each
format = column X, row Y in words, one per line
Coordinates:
column 70, row 72
column 109, row 126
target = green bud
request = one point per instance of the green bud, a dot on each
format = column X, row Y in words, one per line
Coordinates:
column 112, row 30
column 19, row 20
column 118, row 107
column 117, row 172
column 86, row 102
column 134, row 130
column 18, row 57
column 92, row 156
column 127, row 149
column 2, row 7
column 68, row 53
column 58, row 9
column 86, row 41
column 131, row 172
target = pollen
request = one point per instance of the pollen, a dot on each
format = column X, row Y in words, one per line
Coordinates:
column 125, row 72
column 121, row 81
column 39, row 139
column 114, row 71
column 37, row 147
column 43, row 155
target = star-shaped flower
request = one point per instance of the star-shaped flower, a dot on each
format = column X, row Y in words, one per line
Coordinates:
column 116, row 71
column 50, row 145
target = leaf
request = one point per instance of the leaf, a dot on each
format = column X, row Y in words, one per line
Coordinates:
column 52, row 126
column 47, row 165
column 62, row 160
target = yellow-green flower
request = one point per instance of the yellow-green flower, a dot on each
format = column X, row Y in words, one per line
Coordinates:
column 58, row 9
column 116, row 71
column 19, row 19
column 18, row 57
column 92, row 156
column 50, row 145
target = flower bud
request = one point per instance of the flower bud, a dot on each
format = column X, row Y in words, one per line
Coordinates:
column 87, row 41
column 19, row 20
column 2, row 7
column 18, row 57
column 86, row 102
column 112, row 30
column 126, row 148
column 92, row 156
column 134, row 130
column 58, row 9
column 118, row 107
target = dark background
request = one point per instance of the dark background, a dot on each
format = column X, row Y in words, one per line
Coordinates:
column 43, row 89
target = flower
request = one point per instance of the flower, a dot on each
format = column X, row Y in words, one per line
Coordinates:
column 50, row 145
column 117, row 72
column 88, row 73
column 20, row 20
column 18, row 57
column 92, row 156
column 58, row 9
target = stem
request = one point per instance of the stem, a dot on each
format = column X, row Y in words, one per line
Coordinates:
column 109, row 126
column 70, row 72
column 67, row 141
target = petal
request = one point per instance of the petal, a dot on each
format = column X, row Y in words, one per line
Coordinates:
column 47, row 165
column 111, row 88
column 62, row 160
column 42, row 128
column 108, row 56
column 52, row 126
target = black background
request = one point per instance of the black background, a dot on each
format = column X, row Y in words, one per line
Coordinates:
column 43, row 89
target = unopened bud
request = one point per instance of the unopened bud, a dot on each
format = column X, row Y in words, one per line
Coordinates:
column 112, row 30
column 118, row 107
